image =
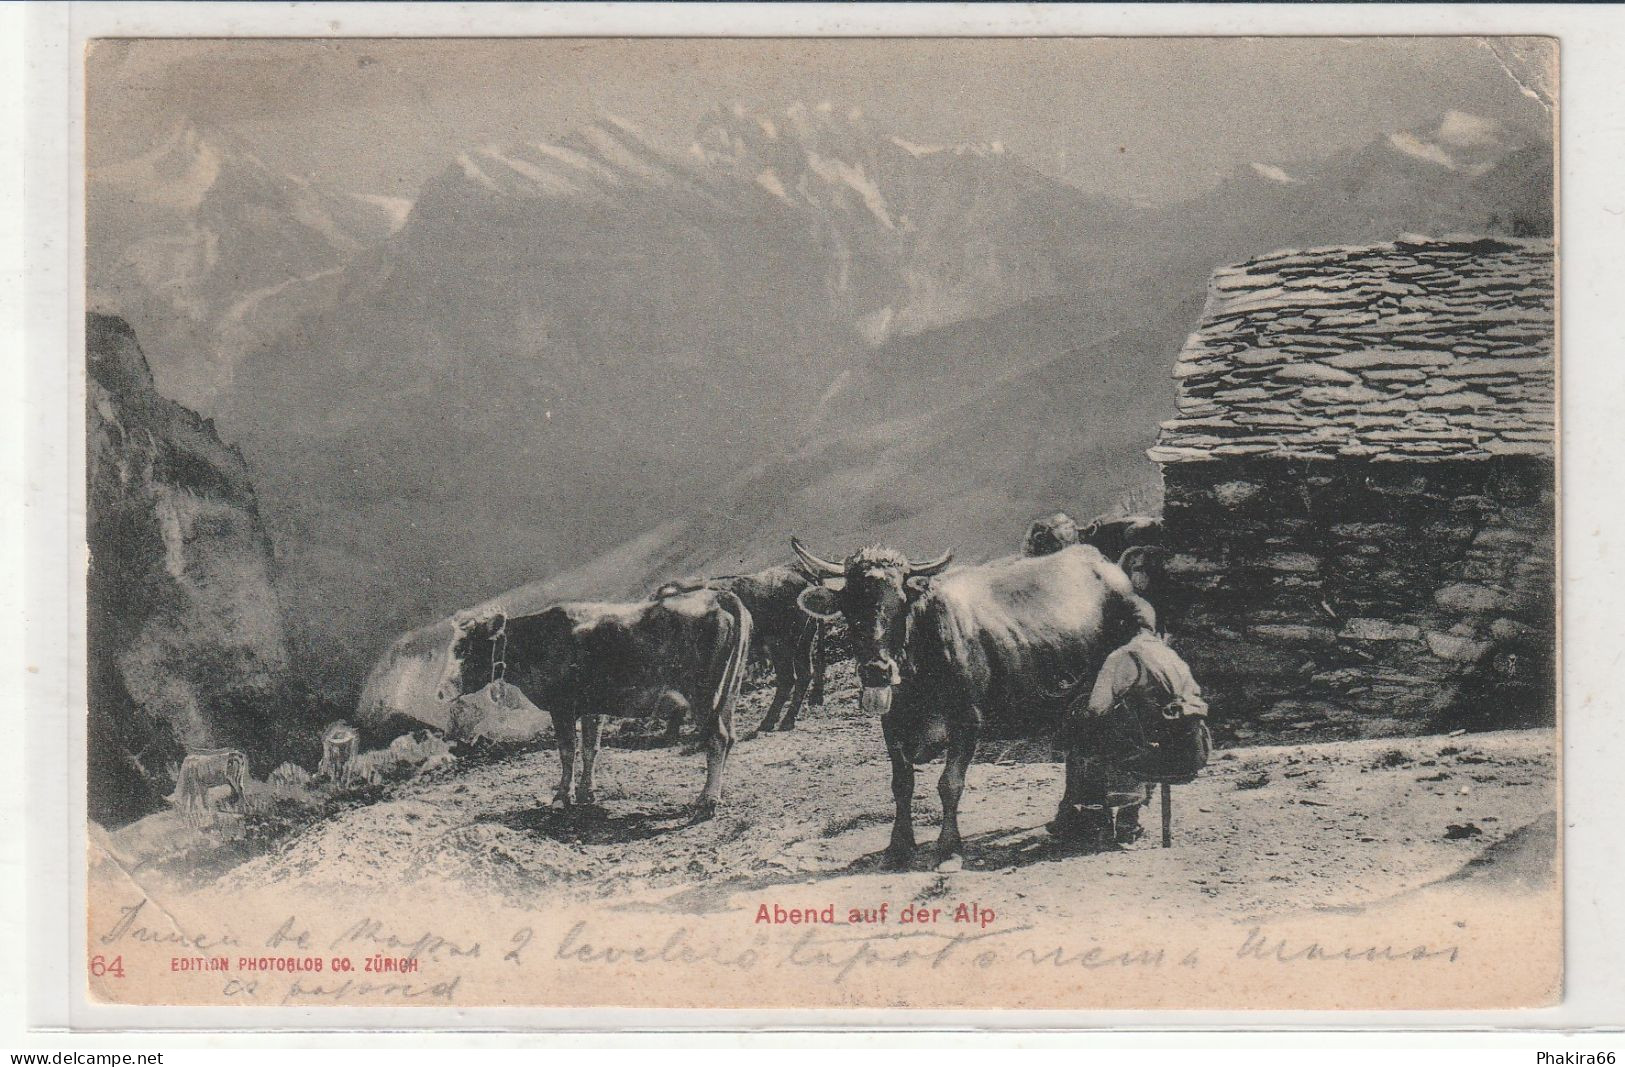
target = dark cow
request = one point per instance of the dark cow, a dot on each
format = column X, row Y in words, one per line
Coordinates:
column 1049, row 535
column 1116, row 534
column 582, row 661
column 1113, row 535
column 1145, row 566
column 1000, row 648
column 781, row 633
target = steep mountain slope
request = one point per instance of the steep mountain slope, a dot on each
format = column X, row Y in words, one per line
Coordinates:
column 1462, row 174
column 957, row 436
column 923, row 235
column 938, row 452
column 801, row 323
column 186, row 644
column 568, row 344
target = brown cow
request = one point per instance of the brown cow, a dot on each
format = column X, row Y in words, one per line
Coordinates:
column 781, row 632
column 1000, row 648
column 582, row 661
column 1049, row 535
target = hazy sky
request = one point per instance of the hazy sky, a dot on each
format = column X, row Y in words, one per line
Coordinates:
column 1156, row 118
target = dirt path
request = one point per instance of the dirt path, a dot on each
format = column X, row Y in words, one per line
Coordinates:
column 1345, row 848
column 1272, row 830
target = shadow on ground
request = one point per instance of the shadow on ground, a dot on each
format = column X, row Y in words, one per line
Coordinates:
column 984, row 853
column 595, row 825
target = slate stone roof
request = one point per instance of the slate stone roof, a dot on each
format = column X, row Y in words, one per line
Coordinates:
column 1416, row 350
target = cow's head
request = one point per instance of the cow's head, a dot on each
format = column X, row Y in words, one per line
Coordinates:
column 475, row 648
column 1050, row 535
column 1144, row 565
column 872, row 590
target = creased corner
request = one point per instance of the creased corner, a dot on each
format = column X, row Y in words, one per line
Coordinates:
column 1531, row 63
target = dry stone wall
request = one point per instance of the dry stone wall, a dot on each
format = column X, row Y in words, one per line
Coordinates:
column 1350, row 598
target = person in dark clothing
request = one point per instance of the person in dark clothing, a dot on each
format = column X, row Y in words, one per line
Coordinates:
column 1144, row 721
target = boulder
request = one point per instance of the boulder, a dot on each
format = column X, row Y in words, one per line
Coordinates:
column 1468, row 598
column 1456, row 648
column 1292, row 562
column 1379, row 630
column 1291, row 633
column 1235, row 494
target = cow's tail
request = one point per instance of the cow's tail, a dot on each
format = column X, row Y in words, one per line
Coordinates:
column 817, row 660
column 733, row 669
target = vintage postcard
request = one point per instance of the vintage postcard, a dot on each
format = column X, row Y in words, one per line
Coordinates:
column 807, row 523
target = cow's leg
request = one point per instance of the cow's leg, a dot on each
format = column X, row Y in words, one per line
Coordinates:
column 677, row 708
column 820, row 662
column 798, row 700
column 962, row 738
column 901, row 849
column 564, row 729
column 590, row 725
column 770, row 721
column 718, row 744
column 783, row 681
column 802, row 667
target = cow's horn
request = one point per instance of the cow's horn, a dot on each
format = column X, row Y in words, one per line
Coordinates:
column 821, row 616
column 821, row 567
column 936, row 566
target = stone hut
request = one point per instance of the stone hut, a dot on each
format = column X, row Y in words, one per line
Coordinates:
column 1360, row 491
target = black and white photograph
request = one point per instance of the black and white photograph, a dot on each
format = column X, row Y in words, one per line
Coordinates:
column 936, row 523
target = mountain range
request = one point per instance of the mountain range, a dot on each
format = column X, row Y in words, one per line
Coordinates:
column 203, row 248
column 800, row 324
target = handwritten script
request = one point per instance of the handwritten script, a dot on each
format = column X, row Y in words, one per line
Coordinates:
column 368, row 959
column 837, row 955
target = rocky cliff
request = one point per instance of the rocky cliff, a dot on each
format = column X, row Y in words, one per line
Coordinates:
column 186, row 643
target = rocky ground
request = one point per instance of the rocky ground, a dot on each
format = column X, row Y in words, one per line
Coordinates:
column 1265, row 830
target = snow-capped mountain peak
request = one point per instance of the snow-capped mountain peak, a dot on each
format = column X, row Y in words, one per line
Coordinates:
column 1272, row 173
column 177, row 172
column 395, row 208
column 594, row 163
column 1427, row 151
column 1460, row 141
column 1462, row 130
column 981, row 150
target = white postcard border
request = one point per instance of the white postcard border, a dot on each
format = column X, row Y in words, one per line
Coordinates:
column 1593, row 379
